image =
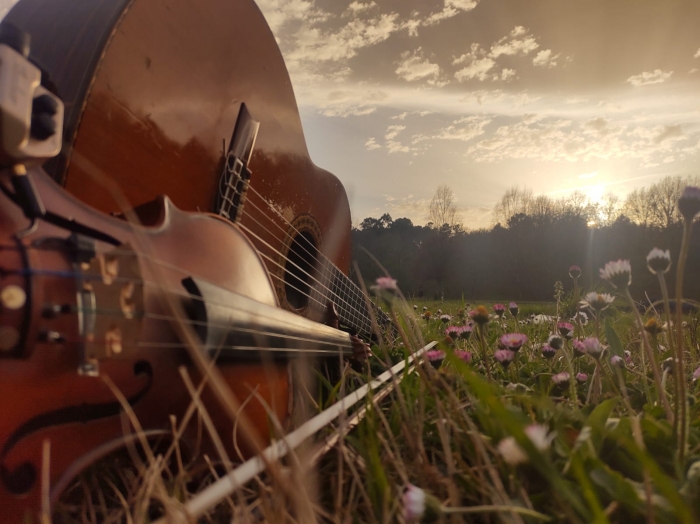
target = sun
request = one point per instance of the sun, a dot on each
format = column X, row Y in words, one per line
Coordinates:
column 594, row 194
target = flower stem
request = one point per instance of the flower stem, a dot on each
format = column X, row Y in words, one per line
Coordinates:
column 677, row 383
column 680, row 365
column 652, row 360
column 578, row 332
column 482, row 342
column 572, row 375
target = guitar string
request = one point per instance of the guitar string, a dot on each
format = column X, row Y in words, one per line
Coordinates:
column 274, row 250
column 344, row 303
column 354, row 298
column 349, row 291
column 278, row 252
column 226, row 181
column 362, row 318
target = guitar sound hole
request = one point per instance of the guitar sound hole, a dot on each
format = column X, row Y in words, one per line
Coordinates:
column 300, row 265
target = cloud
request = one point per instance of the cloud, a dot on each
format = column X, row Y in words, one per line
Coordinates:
column 483, row 65
column 393, row 131
column 490, row 97
column 280, row 12
column 649, row 77
column 545, row 59
column 402, row 116
column 697, row 54
column 518, row 42
column 478, row 69
column 316, row 45
column 413, row 66
column 598, row 125
column 669, row 133
column 392, row 145
column 349, row 102
column 358, row 7
column 507, row 74
column 372, row 144
column 561, row 140
column 463, row 129
column 451, row 8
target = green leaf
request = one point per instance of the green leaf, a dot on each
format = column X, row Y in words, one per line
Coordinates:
column 596, row 423
column 613, row 339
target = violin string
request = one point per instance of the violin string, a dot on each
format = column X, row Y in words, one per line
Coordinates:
column 126, row 280
column 195, row 323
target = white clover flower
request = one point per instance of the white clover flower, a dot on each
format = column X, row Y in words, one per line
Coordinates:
column 413, row 502
column 512, row 453
column 597, row 301
column 538, row 434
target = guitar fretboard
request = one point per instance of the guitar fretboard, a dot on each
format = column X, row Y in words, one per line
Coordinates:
column 354, row 309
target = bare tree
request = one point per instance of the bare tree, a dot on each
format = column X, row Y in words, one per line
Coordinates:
column 442, row 208
column 514, row 201
column 637, row 207
column 542, row 207
column 610, row 208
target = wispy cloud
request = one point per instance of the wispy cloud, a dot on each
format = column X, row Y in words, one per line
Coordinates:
column 649, row 77
column 414, row 66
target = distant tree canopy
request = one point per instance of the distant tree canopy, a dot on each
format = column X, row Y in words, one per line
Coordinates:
column 532, row 244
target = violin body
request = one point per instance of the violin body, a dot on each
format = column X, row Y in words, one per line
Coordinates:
column 153, row 89
column 44, row 338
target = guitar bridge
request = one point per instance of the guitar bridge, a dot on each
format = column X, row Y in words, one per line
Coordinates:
column 233, row 183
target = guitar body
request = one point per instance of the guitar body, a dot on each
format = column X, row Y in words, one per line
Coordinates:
column 153, row 89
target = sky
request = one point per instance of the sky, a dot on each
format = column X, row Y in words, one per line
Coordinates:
column 398, row 97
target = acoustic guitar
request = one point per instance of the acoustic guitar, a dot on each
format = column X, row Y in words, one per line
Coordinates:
column 192, row 98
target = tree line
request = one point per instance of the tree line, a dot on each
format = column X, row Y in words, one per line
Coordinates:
column 532, row 244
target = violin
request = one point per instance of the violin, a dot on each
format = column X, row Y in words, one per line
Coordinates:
column 93, row 304
column 193, row 99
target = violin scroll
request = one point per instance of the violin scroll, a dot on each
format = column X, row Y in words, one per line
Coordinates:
column 31, row 117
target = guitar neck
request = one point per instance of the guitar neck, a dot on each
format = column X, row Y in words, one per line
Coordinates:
column 355, row 310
